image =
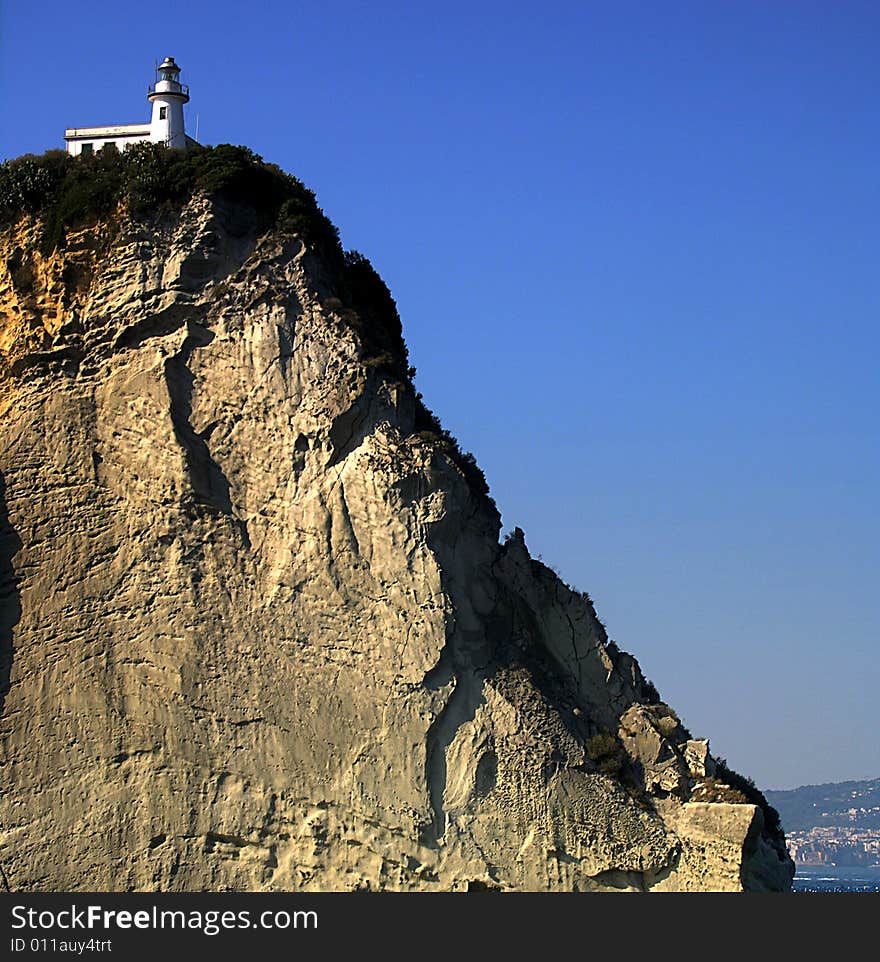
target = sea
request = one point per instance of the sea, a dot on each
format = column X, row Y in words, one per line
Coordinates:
column 837, row 878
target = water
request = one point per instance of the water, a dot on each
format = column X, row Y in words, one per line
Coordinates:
column 837, row 878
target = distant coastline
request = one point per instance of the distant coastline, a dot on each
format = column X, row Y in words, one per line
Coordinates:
column 834, row 878
column 833, row 835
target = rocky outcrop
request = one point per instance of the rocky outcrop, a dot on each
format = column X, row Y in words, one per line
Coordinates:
column 258, row 630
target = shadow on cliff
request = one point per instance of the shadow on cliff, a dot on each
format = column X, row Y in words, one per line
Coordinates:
column 10, row 598
column 209, row 485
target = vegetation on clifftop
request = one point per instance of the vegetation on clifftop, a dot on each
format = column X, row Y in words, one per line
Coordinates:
column 68, row 192
column 750, row 792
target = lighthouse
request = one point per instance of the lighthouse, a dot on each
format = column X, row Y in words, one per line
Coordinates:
column 168, row 95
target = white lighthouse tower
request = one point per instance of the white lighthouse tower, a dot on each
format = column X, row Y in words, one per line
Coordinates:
column 168, row 95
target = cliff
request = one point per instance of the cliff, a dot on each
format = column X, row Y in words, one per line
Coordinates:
column 258, row 631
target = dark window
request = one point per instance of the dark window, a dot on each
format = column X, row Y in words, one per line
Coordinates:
column 162, row 111
column 87, row 148
column 111, row 147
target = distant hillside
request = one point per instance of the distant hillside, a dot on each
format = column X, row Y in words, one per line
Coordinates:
column 844, row 804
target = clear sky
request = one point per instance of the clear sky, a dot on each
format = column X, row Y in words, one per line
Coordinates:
column 634, row 246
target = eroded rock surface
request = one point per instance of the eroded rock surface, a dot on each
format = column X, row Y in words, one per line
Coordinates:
column 261, row 630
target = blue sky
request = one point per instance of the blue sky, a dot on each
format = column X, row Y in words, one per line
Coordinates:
column 634, row 248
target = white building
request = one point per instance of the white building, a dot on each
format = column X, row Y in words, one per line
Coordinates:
column 166, row 126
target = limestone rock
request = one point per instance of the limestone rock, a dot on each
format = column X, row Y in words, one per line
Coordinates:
column 261, row 630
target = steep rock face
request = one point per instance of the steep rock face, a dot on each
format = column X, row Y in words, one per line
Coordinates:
column 258, row 631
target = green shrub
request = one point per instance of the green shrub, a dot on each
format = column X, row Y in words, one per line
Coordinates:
column 149, row 180
column 27, row 181
column 606, row 752
column 90, row 189
column 427, row 424
column 717, row 790
column 750, row 792
column 378, row 325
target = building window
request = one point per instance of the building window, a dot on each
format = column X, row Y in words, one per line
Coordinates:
column 86, row 148
column 111, row 147
column 162, row 112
